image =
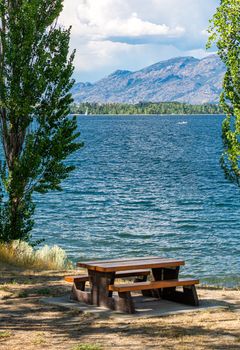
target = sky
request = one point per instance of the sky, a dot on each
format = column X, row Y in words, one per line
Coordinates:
column 132, row 34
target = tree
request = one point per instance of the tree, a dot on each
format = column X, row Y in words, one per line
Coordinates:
column 225, row 32
column 37, row 134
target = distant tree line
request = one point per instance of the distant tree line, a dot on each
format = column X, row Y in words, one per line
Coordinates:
column 145, row 108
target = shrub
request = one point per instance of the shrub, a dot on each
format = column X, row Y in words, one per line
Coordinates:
column 19, row 253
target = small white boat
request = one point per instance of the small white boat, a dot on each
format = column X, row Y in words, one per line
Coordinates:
column 181, row 123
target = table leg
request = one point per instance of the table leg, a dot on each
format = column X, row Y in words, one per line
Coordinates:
column 125, row 303
column 99, row 283
column 161, row 274
column 189, row 294
column 145, row 293
column 80, row 295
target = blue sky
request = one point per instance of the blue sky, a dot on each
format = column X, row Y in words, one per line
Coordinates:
column 132, row 34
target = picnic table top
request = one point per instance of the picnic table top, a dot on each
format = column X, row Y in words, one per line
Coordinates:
column 123, row 264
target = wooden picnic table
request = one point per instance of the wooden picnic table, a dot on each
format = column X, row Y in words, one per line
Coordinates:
column 102, row 275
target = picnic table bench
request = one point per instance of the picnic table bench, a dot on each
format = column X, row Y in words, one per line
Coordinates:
column 102, row 275
column 80, row 280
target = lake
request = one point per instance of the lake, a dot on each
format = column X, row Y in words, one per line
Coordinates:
column 148, row 185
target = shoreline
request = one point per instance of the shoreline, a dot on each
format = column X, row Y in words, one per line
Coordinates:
column 144, row 115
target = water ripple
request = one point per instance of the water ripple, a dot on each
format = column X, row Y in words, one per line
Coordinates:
column 144, row 186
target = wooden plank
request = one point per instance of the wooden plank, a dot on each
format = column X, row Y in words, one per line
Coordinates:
column 80, row 278
column 119, row 274
column 134, row 264
column 143, row 264
column 151, row 285
column 96, row 262
column 136, row 261
column 132, row 273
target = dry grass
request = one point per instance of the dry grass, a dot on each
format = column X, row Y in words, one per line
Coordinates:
column 87, row 347
column 26, row 323
column 21, row 254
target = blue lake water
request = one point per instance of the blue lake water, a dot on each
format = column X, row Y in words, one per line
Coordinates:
column 148, row 185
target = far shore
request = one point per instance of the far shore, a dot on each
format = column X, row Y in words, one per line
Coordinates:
column 146, row 115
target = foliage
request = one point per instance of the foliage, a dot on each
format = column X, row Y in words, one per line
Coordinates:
column 225, row 32
column 20, row 253
column 145, row 108
column 37, row 134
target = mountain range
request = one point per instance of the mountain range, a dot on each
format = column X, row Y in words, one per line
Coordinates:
column 182, row 79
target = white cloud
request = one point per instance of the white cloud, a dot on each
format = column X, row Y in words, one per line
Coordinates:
column 108, row 34
column 103, row 19
column 100, row 52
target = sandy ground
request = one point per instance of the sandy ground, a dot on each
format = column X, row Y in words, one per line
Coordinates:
column 27, row 324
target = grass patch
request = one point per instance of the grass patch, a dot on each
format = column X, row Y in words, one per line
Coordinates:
column 5, row 334
column 13, row 282
column 5, row 288
column 87, row 347
column 43, row 291
column 39, row 339
column 22, row 294
column 21, row 254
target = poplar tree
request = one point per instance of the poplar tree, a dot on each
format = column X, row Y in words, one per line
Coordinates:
column 36, row 132
column 224, row 31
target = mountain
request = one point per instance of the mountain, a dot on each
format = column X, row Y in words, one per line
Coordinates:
column 182, row 79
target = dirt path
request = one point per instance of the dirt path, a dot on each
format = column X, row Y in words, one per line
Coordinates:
column 27, row 324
